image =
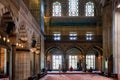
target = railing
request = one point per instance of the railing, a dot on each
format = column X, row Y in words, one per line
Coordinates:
column 81, row 38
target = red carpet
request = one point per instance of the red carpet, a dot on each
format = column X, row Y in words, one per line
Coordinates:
column 74, row 77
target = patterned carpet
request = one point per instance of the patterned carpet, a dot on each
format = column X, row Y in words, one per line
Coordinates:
column 74, row 77
column 4, row 79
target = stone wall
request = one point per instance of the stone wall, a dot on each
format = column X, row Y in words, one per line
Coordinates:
column 22, row 65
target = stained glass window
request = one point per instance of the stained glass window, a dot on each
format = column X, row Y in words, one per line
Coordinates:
column 89, row 9
column 73, row 7
column 56, row 9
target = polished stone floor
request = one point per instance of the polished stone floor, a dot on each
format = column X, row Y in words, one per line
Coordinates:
column 75, row 77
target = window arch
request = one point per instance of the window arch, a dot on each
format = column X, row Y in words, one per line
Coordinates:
column 89, row 9
column 56, row 9
column 73, row 7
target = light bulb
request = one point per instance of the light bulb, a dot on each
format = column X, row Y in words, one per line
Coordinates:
column 4, row 38
column 8, row 40
column 17, row 44
column 22, row 46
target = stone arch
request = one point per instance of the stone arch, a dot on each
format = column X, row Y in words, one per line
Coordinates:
column 73, row 50
column 92, row 50
column 79, row 48
column 46, row 51
column 53, row 51
column 76, row 55
column 7, row 35
column 97, row 51
column 7, row 23
column 53, row 48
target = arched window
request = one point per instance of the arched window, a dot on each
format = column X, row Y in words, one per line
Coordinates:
column 73, row 61
column 89, row 9
column 90, row 61
column 56, row 60
column 56, row 9
column 73, row 7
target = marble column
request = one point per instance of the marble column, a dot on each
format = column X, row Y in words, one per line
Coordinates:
column 116, row 43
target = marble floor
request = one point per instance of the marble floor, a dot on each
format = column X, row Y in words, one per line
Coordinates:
column 75, row 77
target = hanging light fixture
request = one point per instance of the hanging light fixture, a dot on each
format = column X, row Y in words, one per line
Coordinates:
column 8, row 40
column 37, row 51
column 22, row 46
column 16, row 44
column 118, row 5
column 19, row 45
column 4, row 38
column 33, row 49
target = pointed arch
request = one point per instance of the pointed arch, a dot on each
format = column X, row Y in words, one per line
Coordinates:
column 52, row 49
column 76, row 49
column 93, row 56
column 54, row 57
column 74, row 57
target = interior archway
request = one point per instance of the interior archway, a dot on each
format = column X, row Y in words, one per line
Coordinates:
column 55, row 58
column 74, row 58
column 7, row 29
column 93, row 59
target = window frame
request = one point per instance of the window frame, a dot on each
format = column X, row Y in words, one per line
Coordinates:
column 89, row 61
column 89, row 36
column 92, row 11
column 57, row 63
column 71, row 7
column 58, row 4
column 57, row 36
column 72, row 36
column 73, row 59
